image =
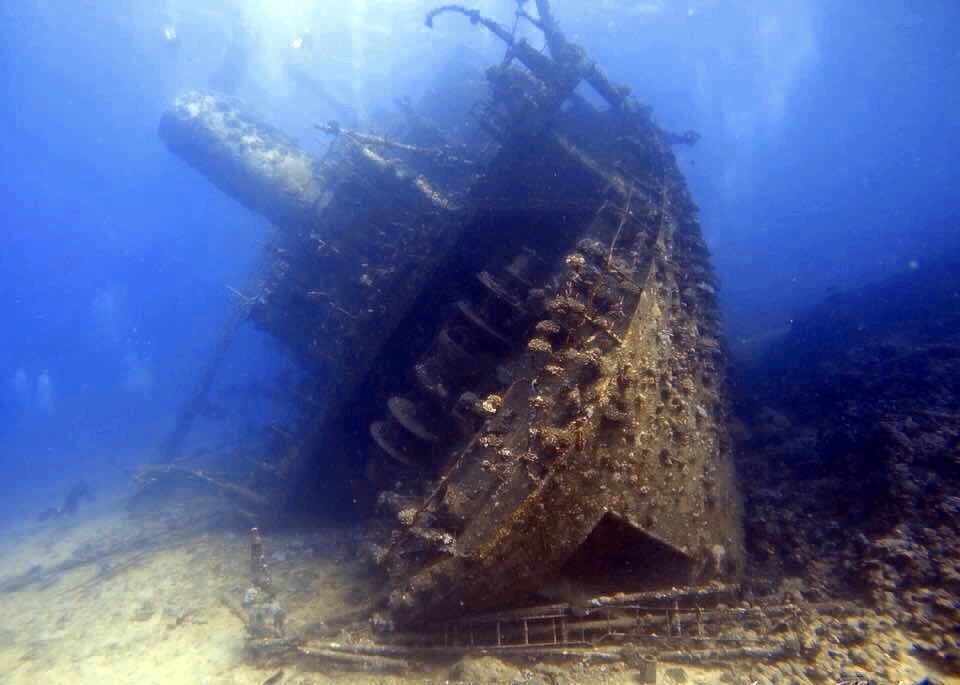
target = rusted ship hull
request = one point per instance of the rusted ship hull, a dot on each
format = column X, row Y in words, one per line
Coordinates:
column 517, row 343
column 602, row 458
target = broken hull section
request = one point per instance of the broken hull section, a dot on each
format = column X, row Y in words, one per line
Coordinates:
column 519, row 370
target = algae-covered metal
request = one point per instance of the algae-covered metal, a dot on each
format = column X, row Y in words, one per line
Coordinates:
column 358, row 233
column 524, row 368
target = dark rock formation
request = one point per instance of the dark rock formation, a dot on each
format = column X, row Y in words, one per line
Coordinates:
column 852, row 453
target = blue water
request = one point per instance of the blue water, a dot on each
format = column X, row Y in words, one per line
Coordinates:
column 829, row 132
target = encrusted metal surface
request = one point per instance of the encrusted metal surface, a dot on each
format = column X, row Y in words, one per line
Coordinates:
column 528, row 379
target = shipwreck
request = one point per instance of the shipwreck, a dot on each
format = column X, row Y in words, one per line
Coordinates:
column 509, row 329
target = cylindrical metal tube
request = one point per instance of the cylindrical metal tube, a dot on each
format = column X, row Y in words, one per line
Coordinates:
column 251, row 161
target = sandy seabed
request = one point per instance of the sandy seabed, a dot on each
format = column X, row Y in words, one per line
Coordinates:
column 108, row 597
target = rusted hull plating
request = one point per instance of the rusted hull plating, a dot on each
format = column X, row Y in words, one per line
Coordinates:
column 533, row 377
column 604, row 459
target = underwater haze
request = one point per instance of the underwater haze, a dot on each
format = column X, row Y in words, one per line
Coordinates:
column 826, row 159
column 826, row 162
